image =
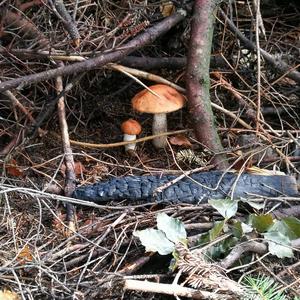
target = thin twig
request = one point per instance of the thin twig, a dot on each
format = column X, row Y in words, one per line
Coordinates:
column 65, row 17
column 141, row 40
column 170, row 289
column 280, row 65
column 257, row 24
column 119, row 144
column 69, row 160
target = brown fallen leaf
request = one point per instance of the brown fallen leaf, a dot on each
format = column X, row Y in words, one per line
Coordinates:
column 240, row 163
column 25, row 255
column 167, row 8
column 96, row 171
column 78, row 168
column 13, row 169
column 61, row 227
column 180, row 140
column 76, row 42
column 57, row 223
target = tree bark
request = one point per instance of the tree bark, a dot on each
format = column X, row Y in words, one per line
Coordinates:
column 198, row 80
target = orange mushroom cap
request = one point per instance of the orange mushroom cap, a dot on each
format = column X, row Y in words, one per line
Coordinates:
column 169, row 100
column 131, row 127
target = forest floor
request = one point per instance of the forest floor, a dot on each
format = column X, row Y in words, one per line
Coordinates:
column 41, row 258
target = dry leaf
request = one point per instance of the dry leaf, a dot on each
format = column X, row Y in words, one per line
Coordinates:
column 240, row 163
column 25, row 255
column 97, row 171
column 57, row 223
column 8, row 295
column 258, row 171
column 78, row 168
column 69, row 230
column 63, row 228
column 76, row 42
column 13, row 169
column 180, row 140
column 167, row 8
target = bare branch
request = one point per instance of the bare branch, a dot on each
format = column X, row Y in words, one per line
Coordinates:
column 141, row 40
column 280, row 65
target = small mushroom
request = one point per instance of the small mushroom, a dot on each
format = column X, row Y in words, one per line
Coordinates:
column 163, row 100
column 130, row 128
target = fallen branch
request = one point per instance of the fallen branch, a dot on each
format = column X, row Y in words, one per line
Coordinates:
column 148, row 63
column 62, row 13
column 250, row 246
column 236, row 253
column 170, row 289
column 141, row 40
column 153, row 63
column 293, row 211
column 278, row 64
column 25, row 28
column 70, row 184
column 143, row 62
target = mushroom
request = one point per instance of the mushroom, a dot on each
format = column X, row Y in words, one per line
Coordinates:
column 163, row 100
column 130, row 128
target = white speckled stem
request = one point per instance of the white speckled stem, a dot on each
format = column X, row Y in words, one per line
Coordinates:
column 128, row 138
column 159, row 126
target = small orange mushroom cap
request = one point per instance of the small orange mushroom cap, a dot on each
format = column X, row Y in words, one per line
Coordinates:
column 169, row 100
column 131, row 127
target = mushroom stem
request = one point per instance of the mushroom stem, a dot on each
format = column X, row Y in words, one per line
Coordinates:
column 128, row 138
column 159, row 126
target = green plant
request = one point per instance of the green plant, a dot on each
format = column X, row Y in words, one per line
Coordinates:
column 264, row 288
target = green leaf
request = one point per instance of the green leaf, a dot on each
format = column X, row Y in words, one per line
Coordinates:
column 221, row 249
column 255, row 204
column 279, row 244
column 155, row 240
column 172, row 227
column 212, row 234
column 247, row 228
column 261, row 223
column 293, row 227
column 203, row 239
column 284, row 229
column 227, row 207
column 237, row 229
column 216, row 230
